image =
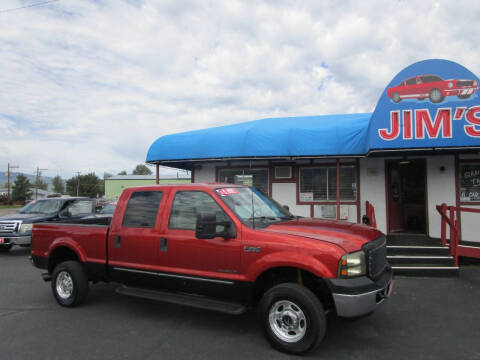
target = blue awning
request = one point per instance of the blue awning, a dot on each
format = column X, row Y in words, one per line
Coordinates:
column 327, row 135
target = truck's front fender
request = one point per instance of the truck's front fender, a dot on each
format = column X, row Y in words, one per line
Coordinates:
column 289, row 259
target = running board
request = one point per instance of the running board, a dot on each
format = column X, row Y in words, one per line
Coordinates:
column 195, row 301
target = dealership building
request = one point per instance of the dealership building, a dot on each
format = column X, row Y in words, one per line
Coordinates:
column 418, row 149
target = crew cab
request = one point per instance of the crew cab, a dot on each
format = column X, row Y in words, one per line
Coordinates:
column 221, row 247
column 432, row 87
column 16, row 229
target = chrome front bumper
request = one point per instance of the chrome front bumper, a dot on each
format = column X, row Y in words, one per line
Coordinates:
column 360, row 295
column 16, row 240
column 353, row 305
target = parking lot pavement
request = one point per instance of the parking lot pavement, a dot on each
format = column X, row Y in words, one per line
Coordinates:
column 435, row 318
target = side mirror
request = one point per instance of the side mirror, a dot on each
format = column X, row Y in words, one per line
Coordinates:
column 207, row 227
column 286, row 207
column 65, row 213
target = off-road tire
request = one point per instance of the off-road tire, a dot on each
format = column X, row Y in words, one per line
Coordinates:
column 74, row 271
column 5, row 248
column 307, row 304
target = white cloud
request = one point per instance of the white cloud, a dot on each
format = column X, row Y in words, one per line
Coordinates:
column 89, row 85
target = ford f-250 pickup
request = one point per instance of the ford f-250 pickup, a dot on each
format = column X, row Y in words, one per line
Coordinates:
column 221, row 247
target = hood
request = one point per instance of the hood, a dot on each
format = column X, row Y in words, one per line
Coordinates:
column 27, row 218
column 348, row 236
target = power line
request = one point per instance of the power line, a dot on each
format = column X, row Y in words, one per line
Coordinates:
column 29, row 6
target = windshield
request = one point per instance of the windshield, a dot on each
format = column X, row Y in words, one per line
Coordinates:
column 252, row 207
column 108, row 209
column 43, row 207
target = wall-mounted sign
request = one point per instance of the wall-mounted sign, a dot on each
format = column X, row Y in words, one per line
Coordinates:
column 306, row 196
column 432, row 103
column 470, row 182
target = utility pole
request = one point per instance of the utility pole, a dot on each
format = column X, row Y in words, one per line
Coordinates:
column 78, row 181
column 8, row 177
column 36, row 181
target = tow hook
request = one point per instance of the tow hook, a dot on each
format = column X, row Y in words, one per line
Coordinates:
column 46, row 277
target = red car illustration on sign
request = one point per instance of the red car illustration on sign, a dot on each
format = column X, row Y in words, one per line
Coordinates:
column 433, row 87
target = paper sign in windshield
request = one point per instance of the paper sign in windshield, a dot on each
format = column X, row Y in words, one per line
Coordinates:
column 227, row 191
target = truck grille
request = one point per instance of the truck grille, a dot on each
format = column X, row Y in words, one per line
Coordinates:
column 9, row 226
column 376, row 256
column 465, row 83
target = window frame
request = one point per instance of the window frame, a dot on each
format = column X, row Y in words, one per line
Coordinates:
column 267, row 168
column 337, row 199
column 463, row 162
column 156, row 216
column 191, row 191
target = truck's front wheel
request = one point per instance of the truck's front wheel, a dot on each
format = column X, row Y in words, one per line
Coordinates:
column 69, row 283
column 293, row 318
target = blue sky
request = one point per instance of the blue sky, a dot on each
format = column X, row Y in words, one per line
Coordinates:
column 89, row 85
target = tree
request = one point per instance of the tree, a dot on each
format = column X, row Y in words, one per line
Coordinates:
column 40, row 184
column 88, row 185
column 141, row 169
column 58, row 185
column 21, row 188
column 107, row 175
column 123, row 172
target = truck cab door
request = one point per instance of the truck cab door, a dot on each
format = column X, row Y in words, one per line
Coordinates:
column 134, row 238
column 200, row 263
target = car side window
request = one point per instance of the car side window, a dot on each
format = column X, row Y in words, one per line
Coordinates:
column 142, row 209
column 80, row 207
column 186, row 206
column 411, row 81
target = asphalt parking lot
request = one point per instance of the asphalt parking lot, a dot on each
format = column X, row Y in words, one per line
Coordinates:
column 435, row 318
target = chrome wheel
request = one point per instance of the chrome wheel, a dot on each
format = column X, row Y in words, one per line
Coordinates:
column 436, row 96
column 287, row 321
column 64, row 285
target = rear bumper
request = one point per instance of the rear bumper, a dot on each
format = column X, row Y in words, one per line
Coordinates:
column 359, row 296
column 16, row 240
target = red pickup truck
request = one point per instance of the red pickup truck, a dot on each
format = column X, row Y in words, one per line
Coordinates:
column 221, row 247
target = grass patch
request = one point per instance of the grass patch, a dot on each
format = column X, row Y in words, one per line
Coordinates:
column 10, row 206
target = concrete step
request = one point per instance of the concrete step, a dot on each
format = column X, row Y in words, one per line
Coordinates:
column 420, row 260
column 429, row 271
column 416, row 250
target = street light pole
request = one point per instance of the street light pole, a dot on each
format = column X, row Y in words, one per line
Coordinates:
column 36, row 181
column 78, row 181
column 8, row 177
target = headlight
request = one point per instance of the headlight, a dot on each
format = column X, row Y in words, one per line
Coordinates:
column 450, row 84
column 352, row 264
column 26, row 227
column 474, row 83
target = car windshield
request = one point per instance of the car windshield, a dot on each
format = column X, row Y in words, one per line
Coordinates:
column 252, row 207
column 43, row 207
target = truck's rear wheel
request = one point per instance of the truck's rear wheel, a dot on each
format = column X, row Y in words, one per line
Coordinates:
column 293, row 318
column 69, row 283
column 5, row 248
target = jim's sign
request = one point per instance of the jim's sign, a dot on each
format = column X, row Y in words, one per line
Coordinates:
column 421, row 123
column 432, row 103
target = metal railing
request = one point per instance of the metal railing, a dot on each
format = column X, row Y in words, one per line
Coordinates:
column 450, row 216
column 371, row 214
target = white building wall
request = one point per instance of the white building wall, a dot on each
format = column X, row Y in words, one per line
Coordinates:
column 205, row 173
column 372, row 189
column 440, row 189
column 286, row 194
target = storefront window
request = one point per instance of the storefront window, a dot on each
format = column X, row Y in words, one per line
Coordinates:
column 470, row 182
column 251, row 177
column 320, row 184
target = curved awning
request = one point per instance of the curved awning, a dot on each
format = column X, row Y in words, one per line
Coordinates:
column 305, row 136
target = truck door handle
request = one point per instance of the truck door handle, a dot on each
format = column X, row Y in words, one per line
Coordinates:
column 163, row 244
column 117, row 241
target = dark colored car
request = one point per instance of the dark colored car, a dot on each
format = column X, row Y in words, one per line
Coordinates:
column 432, row 87
column 16, row 229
